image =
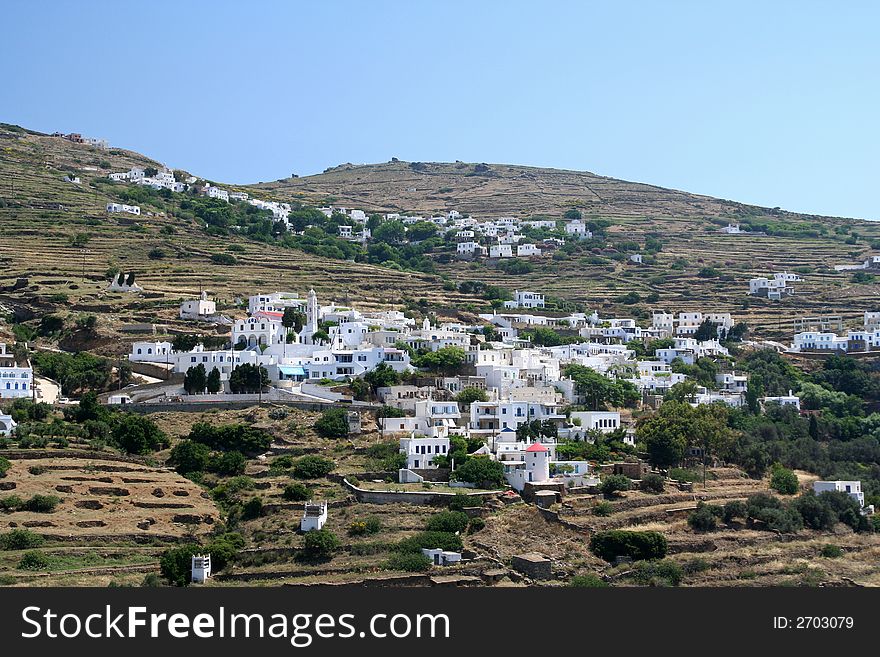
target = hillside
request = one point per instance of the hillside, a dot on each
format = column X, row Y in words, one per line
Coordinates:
column 58, row 237
column 698, row 268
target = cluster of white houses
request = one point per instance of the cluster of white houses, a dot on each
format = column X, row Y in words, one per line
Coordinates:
column 774, row 288
column 863, row 339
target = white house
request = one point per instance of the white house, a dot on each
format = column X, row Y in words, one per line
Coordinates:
column 215, row 192
column 523, row 299
column 16, row 379
column 198, row 308
column 851, row 488
column 238, row 196
column 122, row 207
column 604, row 421
column 440, row 557
column 526, row 250
column 421, row 452
column 501, row 251
column 314, row 516
column 578, row 229
column 154, row 351
column 783, row 400
column 201, row 568
column 470, row 249
column 731, row 229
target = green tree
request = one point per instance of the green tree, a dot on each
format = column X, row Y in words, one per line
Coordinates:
column 195, row 380
column 448, row 521
column 297, row 492
column 445, row 359
column 248, row 378
column 481, row 471
column 471, row 394
column 333, row 423
column 213, row 383
column 189, row 456
column 612, row 484
column 137, row 434
column 176, row 564
column 382, row 376
column 312, row 466
column 625, row 543
column 783, row 480
column 320, row 544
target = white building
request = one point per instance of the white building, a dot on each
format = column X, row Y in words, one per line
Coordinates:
column 154, row 351
column 783, row 400
column 421, row 451
column 276, row 302
column 122, row 207
column 215, row 192
column 527, row 250
column 851, row 488
column 314, row 516
column 604, row 421
column 578, row 229
column 523, row 299
column 201, row 568
column 7, row 424
column 501, row 251
column 16, row 380
column 440, row 557
column 200, row 308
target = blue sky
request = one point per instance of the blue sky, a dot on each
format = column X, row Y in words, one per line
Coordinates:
column 774, row 105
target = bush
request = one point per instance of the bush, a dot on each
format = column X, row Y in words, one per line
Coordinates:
column 590, row 581
column 652, row 483
column 371, row 525
column 624, row 543
column 603, row 509
column 176, row 564
column 430, row 540
column 333, row 423
column 11, row 503
column 480, row 471
column 296, row 492
column 657, row 573
column 612, row 484
column 312, row 466
column 784, row 481
column 735, row 509
column 320, row 544
column 705, row 518
column 33, row 561
column 137, row 434
column 20, row 539
column 41, row 504
column 252, row 508
column 447, row 521
column 831, row 551
column 476, row 525
column 815, row 513
column 4, row 466
column 410, row 562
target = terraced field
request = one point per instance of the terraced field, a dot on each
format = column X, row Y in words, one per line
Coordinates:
column 736, row 556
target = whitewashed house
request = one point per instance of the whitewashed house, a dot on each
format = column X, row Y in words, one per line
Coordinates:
column 851, row 488
column 16, row 379
column 501, row 251
column 200, row 569
column 154, row 351
column 7, row 424
column 783, row 400
column 200, row 308
column 578, row 230
column 527, row 250
column 524, row 299
column 314, row 516
column 122, row 207
column 421, row 452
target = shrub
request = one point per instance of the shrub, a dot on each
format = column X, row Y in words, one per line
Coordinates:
column 831, row 551
column 296, row 492
column 371, row 525
column 320, row 544
column 476, row 525
column 784, row 481
column 590, row 581
column 175, row 564
column 33, row 561
column 41, row 504
column 333, row 423
column 410, row 562
column 11, row 503
column 20, row 539
column 603, row 509
column 447, row 521
column 657, row 573
column 430, row 540
column 624, row 543
column 4, row 466
column 612, row 484
column 705, row 518
column 137, row 434
column 652, row 483
column 312, row 466
column 815, row 513
column 481, row 471
column 252, row 508
column 734, row 509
